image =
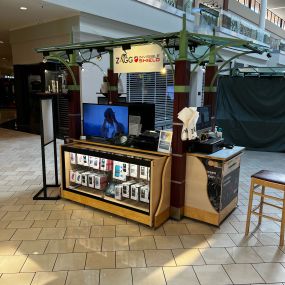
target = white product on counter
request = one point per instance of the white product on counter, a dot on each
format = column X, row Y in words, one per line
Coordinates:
column 135, row 189
column 72, row 175
column 79, row 176
column 84, row 178
column 144, row 194
column 106, row 164
column 118, row 191
column 80, row 159
column 127, row 188
column 85, row 160
column 144, row 172
column 134, row 170
column 91, row 180
column 73, row 159
column 100, row 181
column 96, row 164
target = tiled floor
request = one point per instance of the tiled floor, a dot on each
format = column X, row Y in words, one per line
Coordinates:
column 59, row 242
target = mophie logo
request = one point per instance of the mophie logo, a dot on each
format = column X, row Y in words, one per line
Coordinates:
column 138, row 59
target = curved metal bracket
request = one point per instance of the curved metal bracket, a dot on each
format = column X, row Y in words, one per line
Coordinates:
column 58, row 58
column 226, row 62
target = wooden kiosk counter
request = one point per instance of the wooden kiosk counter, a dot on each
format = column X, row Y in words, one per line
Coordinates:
column 212, row 182
column 128, row 182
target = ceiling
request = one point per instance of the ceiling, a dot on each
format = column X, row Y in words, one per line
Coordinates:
column 11, row 17
column 277, row 7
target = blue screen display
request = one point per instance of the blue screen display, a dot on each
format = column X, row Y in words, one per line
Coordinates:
column 105, row 120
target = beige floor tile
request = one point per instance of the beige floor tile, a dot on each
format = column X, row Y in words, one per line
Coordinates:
column 242, row 240
column 12, row 263
column 72, row 206
column 8, row 247
column 103, row 231
column 20, row 224
column 60, row 215
column 11, row 208
column 98, row 260
column 243, row 273
column 32, row 208
column 182, row 275
column 175, row 229
column 87, row 245
column 194, row 241
column 26, row 234
column 240, row 226
column 70, row 261
column 44, row 224
column 116, row 276
column 244, row 255
column 188, row 257
column 149, row 275
column 270, row 253
column 127, row 230
column 52, row 233
column 15, row 216
column 133, row 258
column 60, row 246
column 199, row 228
column 32, row 247
column 268, row 238
column 117, row 243
column 225, row 228
column 53, row 207
column 37, row 215
column 17, row 278
column 168, row 242
column 271, row 272
column 95, row 221
column 269, row 227
column 4, row 224
column 147, row 231
column 212, row 274
column 36, row 263
column 50, row 278
column 77, row 232
column 113, row 221
column 6, row 234
column 219, row 240
column 68, row 223
column 83, row 277
column 82, row 214
column 216, row 256
column 141, row 243
column 159, row 257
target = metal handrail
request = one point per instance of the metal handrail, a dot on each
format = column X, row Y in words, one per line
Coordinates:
column 254, row 5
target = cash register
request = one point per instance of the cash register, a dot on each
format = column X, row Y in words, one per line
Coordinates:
column 206, row 142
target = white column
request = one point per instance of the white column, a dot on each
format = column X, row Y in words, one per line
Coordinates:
column 262, row 15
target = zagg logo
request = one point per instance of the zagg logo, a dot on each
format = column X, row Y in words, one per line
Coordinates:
column 137, row 59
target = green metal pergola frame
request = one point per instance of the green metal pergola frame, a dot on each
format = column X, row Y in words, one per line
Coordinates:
column 177, row 40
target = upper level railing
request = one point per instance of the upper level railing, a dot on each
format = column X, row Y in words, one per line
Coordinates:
column 254, row 5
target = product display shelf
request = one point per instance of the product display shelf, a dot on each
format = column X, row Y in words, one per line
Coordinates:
column 148, row 189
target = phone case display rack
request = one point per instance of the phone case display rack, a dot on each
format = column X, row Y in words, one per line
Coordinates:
column 127, row 182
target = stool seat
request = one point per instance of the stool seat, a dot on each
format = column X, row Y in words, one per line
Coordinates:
column 270, row 176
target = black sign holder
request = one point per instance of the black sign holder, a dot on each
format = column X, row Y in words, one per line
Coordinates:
column 48, row 136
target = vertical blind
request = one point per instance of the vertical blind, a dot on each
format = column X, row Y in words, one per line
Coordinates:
column 155, row 88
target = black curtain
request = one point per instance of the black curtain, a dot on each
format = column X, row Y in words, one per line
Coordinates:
column 251, row 111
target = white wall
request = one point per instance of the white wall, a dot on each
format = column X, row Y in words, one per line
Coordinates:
column 24, row 41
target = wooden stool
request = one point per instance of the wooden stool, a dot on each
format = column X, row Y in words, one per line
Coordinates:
column 265, row 178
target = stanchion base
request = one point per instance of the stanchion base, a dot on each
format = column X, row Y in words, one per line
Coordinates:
column 44, row 191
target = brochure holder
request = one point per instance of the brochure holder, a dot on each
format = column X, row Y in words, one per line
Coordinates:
column 48, row 137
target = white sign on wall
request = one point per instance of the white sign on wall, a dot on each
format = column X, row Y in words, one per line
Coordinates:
column 140, row 58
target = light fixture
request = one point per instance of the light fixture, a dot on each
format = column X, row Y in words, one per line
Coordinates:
column 44, row 60
column 46, row 71
column 1, row 42
column 3, row 58
column 163, row 71
column 99, row 57
column 23, row 8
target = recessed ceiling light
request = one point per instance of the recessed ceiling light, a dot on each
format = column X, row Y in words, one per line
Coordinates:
column 3, row 58
column 23, row 8
column 1, row 42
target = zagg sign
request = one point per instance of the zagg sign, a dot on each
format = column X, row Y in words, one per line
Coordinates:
column 142, row 58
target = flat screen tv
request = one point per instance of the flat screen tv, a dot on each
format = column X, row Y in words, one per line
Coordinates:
column 105, row 121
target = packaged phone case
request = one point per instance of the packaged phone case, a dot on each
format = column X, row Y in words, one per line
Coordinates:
column 73, row 157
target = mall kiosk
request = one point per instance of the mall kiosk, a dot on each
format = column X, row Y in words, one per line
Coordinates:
column 167, row 174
